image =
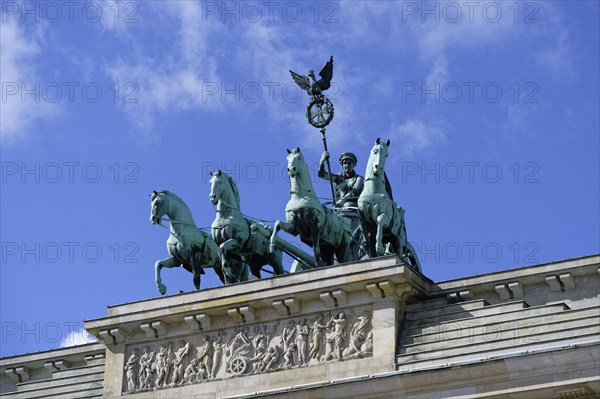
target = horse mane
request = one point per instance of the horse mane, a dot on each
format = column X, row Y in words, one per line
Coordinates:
column 172, row 194
column 236, row 192
column 388, row 186
column 175, row 197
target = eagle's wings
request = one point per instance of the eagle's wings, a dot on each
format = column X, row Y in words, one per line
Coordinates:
column 326, row 75
column 301, row 80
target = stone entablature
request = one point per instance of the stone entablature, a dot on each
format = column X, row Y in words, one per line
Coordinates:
column 334, row 322
column 574, row 281
column 54, row 372
column 526, row 333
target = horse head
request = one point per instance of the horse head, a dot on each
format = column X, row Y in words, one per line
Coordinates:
column 378, row 157
column 220, row 182
column 296, row 162
column 216, row 189
column 158, row 206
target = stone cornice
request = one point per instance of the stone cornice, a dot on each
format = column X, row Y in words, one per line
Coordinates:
column 39, row 359
column 537, row 274
column 292, row 289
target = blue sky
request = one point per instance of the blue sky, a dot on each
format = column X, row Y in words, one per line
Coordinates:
column 491, row 109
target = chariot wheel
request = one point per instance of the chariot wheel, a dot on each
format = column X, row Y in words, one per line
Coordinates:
column 319, row 111
column 239, row 366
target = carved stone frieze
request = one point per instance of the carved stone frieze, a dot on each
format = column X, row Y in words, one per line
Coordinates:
column 309, row 340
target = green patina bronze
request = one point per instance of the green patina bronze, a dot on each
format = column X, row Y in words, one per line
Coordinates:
column 187, row 245
column 319, row 111
column 365, row 220
column 348, row 186
column 232, row 232
column 319, row 227
column 382, row 220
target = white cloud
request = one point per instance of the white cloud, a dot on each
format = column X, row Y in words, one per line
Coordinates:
column 77, row 337
column 555, row 51
column 179, row 78
column 182, row 77
column 439, row 71
column 558, row 57
column 265, row 46
column 19, row 51
column 416, row 135
column 118, row 16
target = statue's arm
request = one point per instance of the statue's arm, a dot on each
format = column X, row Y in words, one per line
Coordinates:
column 360, row 184
column 336, row 179
column 325, row 175
column 354, row 192
column 321, row 173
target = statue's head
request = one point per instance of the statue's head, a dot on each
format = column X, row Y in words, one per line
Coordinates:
column 295, row 161
column 348, row 161
column 378, row 156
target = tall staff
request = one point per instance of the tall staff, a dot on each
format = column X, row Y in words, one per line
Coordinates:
column 328, row 166
column 319, row 111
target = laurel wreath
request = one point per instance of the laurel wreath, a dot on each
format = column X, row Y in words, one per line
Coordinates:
column 323, row 102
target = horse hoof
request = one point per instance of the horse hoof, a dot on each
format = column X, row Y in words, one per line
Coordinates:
column 161, row 288
column 380, row 250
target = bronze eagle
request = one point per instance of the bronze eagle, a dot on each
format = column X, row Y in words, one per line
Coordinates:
column 317, row 86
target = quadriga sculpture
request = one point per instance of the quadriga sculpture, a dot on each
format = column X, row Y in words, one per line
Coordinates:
column 382, row 220
column 319, row 227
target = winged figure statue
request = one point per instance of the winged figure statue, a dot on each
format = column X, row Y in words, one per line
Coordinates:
column 316, row 87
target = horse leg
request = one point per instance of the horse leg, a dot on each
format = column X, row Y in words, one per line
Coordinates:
column 382, row 223
column 243, row 268
column 264, row 253
column 367, row 242
column 315, row 236
column 327, row 254
column 196, row 279
column 344, row 252
column 395, row 246
column 276, row 260
column 224, row 249
column 255, row 263
column 219, row 272
column 168, row 262
column 196, row 271
column 288, row 227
